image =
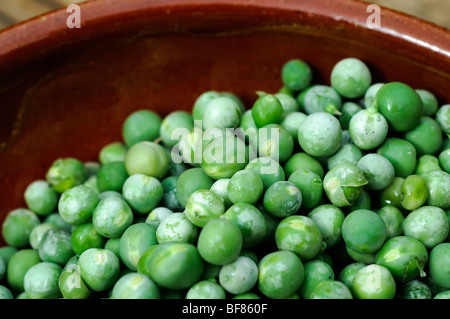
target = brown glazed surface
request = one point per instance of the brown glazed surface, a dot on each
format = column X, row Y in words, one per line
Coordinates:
column 65, row 92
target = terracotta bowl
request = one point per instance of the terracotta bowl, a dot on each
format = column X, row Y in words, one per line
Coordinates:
column 65, row 92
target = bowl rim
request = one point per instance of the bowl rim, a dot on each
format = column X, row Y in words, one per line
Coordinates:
column 49, row 30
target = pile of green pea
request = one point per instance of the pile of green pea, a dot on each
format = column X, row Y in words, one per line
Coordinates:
column 355, row 205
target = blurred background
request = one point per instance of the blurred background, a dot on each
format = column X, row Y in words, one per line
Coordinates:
column 13, row 11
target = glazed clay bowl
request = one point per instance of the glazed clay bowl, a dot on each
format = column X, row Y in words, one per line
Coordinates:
column 65, row 92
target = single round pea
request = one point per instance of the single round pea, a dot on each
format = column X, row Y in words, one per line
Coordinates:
column 429, row 101
column 302, row 160
column 239, row 276
column 378, row 171
column 322, row 98
column 329, row 219
column 274, row 141
column 405, row 257
column 169, row 198
column 320, row 134
column 368, row 129
column 315, row 271
column 112, row 176
column 250, row 221
column 414, row 192
column 173, row 121
column 348, row 273
column 364, row 231
column 17, row 227
column 71, row 284
column 426, row 136
column 439, row 264
column 415, row 289
column 393, row 219
column 147, row 158
column 268, row 169
column 296, row 75
column 374, row 282
column 206, row 289
column 281, row 274
column 370, row 94
column 349, row 109
column 18, row 266
column 220, row 241
column 220, row 188
column 443, row 295
column 402, row 155
column 347, row 152
column 201, row 102
column 202, row 206
column 41, row 281
column 427, row 163
column 443, row 118
column 56, row 246
column 85, row 236
column 344, row 183
column 331, row 289
column 428, row 224
column 77, row 204
column 245, row 187
column 112, row 217
column 267, row 109
column 310, row 186
column 222, row 113
column 175, row 265
column 157, row 215
column 438, row 185
column 282, row 199
column 134, row 241
column 143, row 193
column 99, row 268
column 351, row 77
column 300, row 235
column 401, row 106
column 189, row 181
column 177, row 227
column 141, row 125
column 112, row 152
column 6, row 252
column 41, row 198
column 391, row 195
column 5, row 293
column 135, row 286
column 366, row 258
column 65, row 173
column 291, row 122
column 444, row 160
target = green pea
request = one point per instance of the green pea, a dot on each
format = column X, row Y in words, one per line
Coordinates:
column 444, row 160
column 143, row 193
column 348, row 273
column 366, row 258
column 429, row 101
column 147, row 158
column 41, row 198
column 302, row 160
column 344, row 183
column 112, row 217
column 274, row 141
column 320, row 134
column 391, row 195
column 113, row 245
column 222, row 113
column 405, row 257
column 245, row 187
column 281, row 274
column 99, row 268
column 85, row 236
column 206, row 289
column 134, row 241
column 347, row 152
column 374, row 282
column 426, row 136
column 174, row 120
column 315, row 272
column 439, row 264
column 250, row 221
column 268, row 169
column 349, row 109
column 378, row 171
column 291, row 122
column 402, row 155
column 331, row 289
column 329, row 219
column 322, row 98
column 443, row 118
column 177, row 227
column 310, row 187
column 364, row 201
column 364, row 231
column 41, row 281
column 438, row 185
column 135, row 286
column 428, row 224
column 427, row 163
column 141, row 125
column 112, row 176
column 414, row 192
column 368, row 129
column 198, row 109
column 351, row 77
column 169, row 198
column 220, row 188
column 282, row 199
column 77, row 204
column 220, row 241
column 239, row 276
column 296, row 75
column 65, row 173
column 300, row 235
column 370, row 94
column 393, row 219
column 400, row 105
column 5, row 293
column 56, row 246
column 112, row 152
column 189, row 265
column 189, row 181
column 71, row 284
column 38, row 232
column 17, row 227
column 6, row 252
column 442, row 295
column 157, row 215
column 202, row 206
column 18, row 266
column 415, row 289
